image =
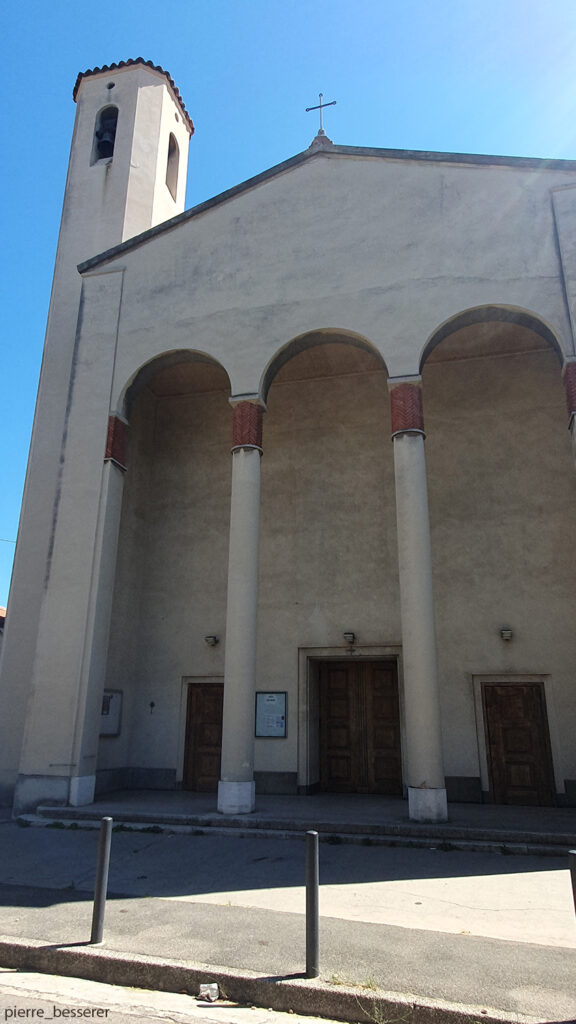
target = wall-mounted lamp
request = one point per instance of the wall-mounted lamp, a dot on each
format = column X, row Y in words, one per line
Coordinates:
column 211, row 641
column 350, row 638
column 506, row 633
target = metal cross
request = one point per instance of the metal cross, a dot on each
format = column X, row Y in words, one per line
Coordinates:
column 320, row 107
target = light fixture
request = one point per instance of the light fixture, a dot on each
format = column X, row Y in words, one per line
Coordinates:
column 211, row 641
column 350, row 638
column 506, row 633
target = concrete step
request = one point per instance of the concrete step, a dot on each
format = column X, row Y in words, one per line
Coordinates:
column 445, row 836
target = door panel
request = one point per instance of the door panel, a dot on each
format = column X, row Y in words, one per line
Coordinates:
column 337, row 729
column 518, row 743
column 203, row 748
column 384, row 761
column 360, row 728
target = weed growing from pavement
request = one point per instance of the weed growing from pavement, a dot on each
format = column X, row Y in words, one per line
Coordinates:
column 370, row 983
column 377, row 1014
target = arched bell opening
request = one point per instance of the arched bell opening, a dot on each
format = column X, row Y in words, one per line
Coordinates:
column 105, row 134
column 170, row 587
column 501, row 493
column 172, row 166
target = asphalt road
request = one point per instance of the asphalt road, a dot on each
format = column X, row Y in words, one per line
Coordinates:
column 483, row 929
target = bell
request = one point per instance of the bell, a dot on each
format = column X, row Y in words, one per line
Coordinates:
column 105, row 144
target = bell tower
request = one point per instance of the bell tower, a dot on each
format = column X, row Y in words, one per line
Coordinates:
column 129, row 154
column 126, row 174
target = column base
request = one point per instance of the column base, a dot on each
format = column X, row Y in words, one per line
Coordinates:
column 236, row 797
column 32, row 790
column 427, row 804
column 81, row 790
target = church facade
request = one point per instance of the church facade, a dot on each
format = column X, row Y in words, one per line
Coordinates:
column 300, row 506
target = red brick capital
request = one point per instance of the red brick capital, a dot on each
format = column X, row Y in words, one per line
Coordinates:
column 406, row 408
column 116, row 442
column 570, row 388
column 247, row 426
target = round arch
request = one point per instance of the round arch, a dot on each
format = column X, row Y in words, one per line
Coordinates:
column 168, row 364
column 312, row 339
column 478, row 315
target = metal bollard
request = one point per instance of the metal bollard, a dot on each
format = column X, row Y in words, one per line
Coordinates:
column 312, row 930
column 572, row 866
column 101, row 883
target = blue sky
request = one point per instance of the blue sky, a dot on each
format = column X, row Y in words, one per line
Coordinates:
column 480, row 76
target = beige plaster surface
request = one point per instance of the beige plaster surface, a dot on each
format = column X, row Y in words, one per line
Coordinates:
column 250, row 267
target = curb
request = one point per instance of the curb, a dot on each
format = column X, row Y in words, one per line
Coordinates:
column 296, row 993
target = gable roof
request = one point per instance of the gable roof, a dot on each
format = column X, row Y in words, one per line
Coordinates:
column 130, row 63
column 323, row 147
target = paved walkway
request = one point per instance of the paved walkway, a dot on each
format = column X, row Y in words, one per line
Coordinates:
column 470, row 933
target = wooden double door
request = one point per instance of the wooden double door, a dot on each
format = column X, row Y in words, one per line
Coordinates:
column 360, row 727
column 203, row 747
column 518, row 743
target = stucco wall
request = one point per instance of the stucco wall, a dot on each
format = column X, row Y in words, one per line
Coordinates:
column 384, row 249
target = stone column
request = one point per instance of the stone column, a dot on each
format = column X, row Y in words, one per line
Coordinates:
column 569, row 378
column 236, row 786
column 424, row 768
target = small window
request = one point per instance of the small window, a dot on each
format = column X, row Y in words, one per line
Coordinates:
column 172, row 166
column 105, row 134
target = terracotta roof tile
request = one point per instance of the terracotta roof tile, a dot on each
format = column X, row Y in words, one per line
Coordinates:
column 129, row 63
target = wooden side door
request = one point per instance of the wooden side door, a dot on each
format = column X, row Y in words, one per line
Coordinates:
column 383, row 753
column 360, row 728
column 203, row 748
column 518, row 744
